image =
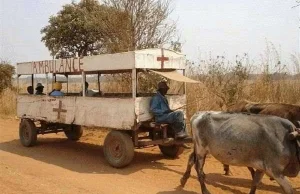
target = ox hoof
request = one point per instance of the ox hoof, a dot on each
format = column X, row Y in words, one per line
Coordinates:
column 205, row 192
column 227, row 173
column 183, row 182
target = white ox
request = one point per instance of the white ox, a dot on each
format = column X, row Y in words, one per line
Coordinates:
column 256, row 141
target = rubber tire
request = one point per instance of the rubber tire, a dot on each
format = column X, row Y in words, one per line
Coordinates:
column 28, row 126
column 74, row 132
column 172, row 151
column 121, row 141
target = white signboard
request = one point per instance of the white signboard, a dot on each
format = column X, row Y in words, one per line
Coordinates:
column 147, row 58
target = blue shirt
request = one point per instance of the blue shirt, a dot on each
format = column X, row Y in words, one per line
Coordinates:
column 56, row 93
column 159, row 105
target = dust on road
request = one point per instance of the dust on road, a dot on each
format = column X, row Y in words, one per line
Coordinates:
column 56, row 165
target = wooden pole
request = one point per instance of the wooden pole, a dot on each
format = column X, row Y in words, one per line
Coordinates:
column 99, row 82
column 83, row 83
column 46, row 83
column 32, row 80
column 67, row 83
column 18, row 83
column 133, row 80
column 184, row 89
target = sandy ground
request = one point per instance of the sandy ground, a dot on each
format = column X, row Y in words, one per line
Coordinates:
column 56, row 165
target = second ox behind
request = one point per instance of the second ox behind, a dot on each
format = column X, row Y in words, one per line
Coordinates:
column 283, row 110
column 256, row 141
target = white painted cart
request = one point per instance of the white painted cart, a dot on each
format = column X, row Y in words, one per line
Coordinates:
column 128, row 117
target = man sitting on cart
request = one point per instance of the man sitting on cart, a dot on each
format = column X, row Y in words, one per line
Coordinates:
column 159, row 106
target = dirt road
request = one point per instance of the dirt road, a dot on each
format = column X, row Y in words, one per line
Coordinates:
column 57, row 165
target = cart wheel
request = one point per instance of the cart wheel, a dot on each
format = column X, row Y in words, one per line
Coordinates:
column 118, row 149
column 172, row 151
column 27, row 133
column 73, row 132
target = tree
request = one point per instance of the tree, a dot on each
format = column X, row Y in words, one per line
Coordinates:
column 6, row 73
column 148, row 22
column 85, row 28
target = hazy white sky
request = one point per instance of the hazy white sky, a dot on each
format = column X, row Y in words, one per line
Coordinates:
column 224, row 27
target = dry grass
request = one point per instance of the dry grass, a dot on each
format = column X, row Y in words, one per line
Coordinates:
column 222, row 83
column 8, row 103
column 199, row 96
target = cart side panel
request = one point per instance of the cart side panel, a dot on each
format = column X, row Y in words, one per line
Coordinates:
column 142, row 106
column 115, row 113
column 47, row 108
column 142, row 109
column 87, row 111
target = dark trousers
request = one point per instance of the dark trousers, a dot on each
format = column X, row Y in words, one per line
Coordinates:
column 174, row 119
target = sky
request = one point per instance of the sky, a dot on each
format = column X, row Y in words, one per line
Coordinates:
column 220, row 27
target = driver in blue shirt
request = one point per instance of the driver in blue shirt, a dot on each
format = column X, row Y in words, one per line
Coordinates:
column 159, row 106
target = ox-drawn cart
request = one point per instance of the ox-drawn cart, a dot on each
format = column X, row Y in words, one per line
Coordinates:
column 128, row 117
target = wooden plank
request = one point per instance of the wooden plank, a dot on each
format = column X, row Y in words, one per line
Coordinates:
column 83, row 83
column 51, row 66
column 18, row 84
column 167, row 141
column 134, row 85
column 87, row 111
column 115, row 61
column 41, row 107
column 147, row 58
column 152, row 59
column 115, row 113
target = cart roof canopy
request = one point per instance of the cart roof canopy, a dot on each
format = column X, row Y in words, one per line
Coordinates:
column 140, row 59
column 175, row 75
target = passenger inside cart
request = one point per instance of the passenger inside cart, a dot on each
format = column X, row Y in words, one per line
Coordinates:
column 39, row 89
column 30, row 90
column 88, row 92
column 57, row 89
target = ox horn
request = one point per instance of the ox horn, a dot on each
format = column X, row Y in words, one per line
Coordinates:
column 293, row 135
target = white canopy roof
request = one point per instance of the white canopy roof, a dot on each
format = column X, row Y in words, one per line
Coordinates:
column 174, row 75
column 145, row 59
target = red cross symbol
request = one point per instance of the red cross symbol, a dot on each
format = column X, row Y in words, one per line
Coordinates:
column 59, row 109
column 162, row 59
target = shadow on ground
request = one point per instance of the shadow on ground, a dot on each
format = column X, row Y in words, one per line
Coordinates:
column 89, row 158
column 85, row 157
column 177, row 190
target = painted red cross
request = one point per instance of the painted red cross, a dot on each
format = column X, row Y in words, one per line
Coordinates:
column 162, row 59
column 59, row 109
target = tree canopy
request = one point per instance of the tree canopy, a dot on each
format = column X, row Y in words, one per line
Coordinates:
column 85, row 28
column 149, row 25
column 6, row 73
column 88, row 27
